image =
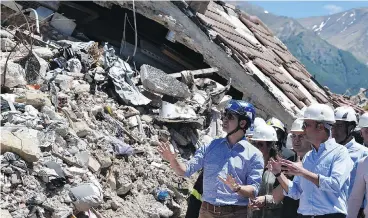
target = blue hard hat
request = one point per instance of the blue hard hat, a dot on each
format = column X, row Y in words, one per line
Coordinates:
column 242, row 108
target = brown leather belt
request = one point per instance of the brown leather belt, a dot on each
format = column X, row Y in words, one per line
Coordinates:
column 222, row 209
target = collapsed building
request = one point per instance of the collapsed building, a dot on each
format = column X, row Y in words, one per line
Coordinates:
column 89, row 88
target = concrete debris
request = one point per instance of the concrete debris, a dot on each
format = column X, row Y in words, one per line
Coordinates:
column 14, row 74
column 177, row 111
column 43, row 52
column 81, row 129
column 20, row 142
column 5, row 34
column 85, row 119
column 159, row 82
column 93, row 164
column 5, row 214
column 86, row 196
column 36, row 99
column 7, row 44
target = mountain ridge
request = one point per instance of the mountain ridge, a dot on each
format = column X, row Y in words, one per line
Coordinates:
column 347, row 30
column 333, row 67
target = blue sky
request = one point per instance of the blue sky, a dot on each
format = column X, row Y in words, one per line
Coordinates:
column 298, row 9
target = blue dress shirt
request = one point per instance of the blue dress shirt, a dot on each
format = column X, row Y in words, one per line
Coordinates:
column 242, row 161
column 356, row 152
column 333, row 165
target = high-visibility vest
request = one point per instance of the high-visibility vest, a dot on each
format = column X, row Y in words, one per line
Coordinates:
column 196, row 194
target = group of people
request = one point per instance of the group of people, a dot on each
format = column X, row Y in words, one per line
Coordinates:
column 252, row 173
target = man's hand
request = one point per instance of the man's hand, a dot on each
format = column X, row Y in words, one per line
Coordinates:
column 293, row 168
column 274, row 166
column 258, row 202
column 165, row 152
column 230, row 182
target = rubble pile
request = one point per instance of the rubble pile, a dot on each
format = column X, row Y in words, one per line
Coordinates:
column 80, row 126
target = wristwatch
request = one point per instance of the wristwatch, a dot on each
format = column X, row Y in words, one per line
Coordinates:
column 277, row 174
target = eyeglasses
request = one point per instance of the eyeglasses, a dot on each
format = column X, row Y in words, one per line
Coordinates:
column 228, row 116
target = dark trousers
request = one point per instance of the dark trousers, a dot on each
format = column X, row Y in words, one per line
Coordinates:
column 361, row 213
column 194, row 205
column 332, row 215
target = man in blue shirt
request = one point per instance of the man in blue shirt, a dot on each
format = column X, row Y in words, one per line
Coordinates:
column 232, row 167
column 342, row 131
column 322, row 179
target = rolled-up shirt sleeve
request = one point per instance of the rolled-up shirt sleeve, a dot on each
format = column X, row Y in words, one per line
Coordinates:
column 294, row 188
column 196, row 162
column 340, row 172
column 255, row 173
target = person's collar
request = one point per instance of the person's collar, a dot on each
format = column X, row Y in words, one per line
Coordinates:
column 350, row 143
column 224, row 140
column 327, row 145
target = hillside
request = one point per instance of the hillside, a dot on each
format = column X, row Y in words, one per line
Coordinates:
column 347, row 30
column 331, row 66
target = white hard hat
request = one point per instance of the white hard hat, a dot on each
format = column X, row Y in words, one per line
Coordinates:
column 319, row 112
column 264, row 133
column 259, row 121
column 363, row 120
column 297, row 126
column 346, row 113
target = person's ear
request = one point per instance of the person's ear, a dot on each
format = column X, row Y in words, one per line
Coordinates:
column 243, row 124
column 350, row 127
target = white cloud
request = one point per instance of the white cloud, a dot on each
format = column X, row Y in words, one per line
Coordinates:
column 333, row 9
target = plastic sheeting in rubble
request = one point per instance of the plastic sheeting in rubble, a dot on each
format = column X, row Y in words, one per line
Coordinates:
column 120, row 73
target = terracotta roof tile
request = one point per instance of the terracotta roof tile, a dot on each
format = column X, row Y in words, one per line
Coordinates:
column 252, row 25
column 268, row 58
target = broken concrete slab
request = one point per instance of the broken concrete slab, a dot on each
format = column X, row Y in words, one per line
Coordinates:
column 124, row 185
column 14, row 75
column 64, row 81
column 63, row 24
column 93, row 164
column 180, row 110
column 5, row 214
column 104, row 160
column 157, row 81
column 43, row 52
column 81, row 129
column 82, row 88
column 5, row 34
column 37, row 99
column 7, row 44
column 22, row 142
